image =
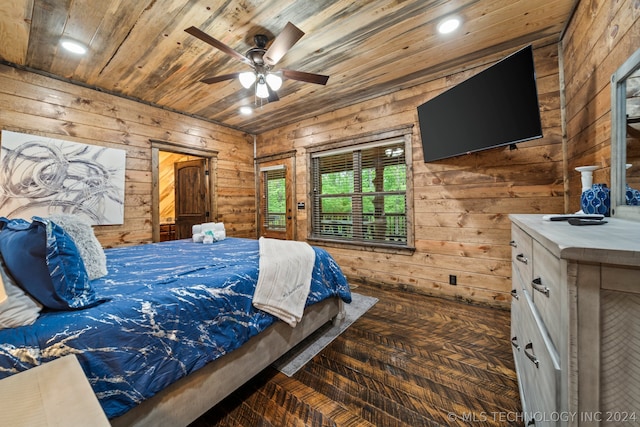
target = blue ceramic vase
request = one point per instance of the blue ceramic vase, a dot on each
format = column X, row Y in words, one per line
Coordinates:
column 596, row 200
column 632, row 196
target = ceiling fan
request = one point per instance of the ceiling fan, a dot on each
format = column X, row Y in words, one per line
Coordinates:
column 262, row 61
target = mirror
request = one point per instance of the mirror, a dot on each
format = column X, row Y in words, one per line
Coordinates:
column 625, row 137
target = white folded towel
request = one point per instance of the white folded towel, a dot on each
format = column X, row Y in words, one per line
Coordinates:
column 284, row 279
column 199, row 232
column 208, row 238
column 207, row 226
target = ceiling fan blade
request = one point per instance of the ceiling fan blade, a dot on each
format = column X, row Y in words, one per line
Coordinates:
column 281, row 45
column 273, row 96
column 196, row 32
column 305, row 77
column 220, row 78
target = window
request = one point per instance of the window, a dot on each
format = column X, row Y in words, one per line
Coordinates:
column 360, row 193
column 275, row 201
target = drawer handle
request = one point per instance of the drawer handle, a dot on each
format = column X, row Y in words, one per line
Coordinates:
column 514, row 342
column 538, row 286
column 523, row 259
column 514, row 293
column 528, row 351
column 513, row 244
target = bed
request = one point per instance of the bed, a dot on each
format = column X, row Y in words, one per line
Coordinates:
column 174, row 329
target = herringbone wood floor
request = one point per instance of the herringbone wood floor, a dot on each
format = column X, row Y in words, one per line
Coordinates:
column 409, row 361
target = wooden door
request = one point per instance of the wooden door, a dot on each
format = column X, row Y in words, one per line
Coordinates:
column 191, row 194
column 277, row 216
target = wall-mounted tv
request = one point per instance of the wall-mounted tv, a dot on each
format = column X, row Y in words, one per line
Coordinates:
column 496, row 107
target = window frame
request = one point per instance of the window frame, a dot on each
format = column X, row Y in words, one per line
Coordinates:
column 351, row 145
column 266, row 213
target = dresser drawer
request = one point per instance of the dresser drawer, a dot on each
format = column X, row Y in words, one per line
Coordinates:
column 545, row 288
column 517, row 344
column 516, row 320
column 536, row 364
column 522, row 253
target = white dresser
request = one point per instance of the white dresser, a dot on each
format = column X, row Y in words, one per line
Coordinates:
column 575, row 321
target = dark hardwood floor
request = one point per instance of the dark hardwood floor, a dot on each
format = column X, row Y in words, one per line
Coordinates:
column 410, row 360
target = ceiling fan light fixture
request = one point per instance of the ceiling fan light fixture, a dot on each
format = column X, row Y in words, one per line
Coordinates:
column 261, row 90
column 247, row 79
column 448, row 25
column 262, row 61
column 274, row 81
column 246, row 110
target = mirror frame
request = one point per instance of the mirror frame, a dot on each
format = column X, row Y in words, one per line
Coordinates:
column 619, row 208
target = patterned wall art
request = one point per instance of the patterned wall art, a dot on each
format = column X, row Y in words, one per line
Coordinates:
column 41, row 176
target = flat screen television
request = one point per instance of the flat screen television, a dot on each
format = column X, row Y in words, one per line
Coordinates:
column 496, row 107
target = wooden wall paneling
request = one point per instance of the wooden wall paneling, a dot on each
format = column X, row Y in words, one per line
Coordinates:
column 588, row 96
column 55, row 96
column 605, row 21
column 591, row 67
column 32, row 103
column 597, row 41
column 126, row 235
column 115, row 129
column 465, row 249
column 166, row 186
column 236, row 196
column 460, row 204
column 422, row 277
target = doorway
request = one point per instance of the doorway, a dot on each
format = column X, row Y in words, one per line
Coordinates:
column 183, row 181
column 276, row 183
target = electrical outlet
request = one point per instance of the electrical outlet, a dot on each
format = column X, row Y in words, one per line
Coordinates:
column 453, row 280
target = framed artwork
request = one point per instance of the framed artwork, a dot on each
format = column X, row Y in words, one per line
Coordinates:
column 42, row 176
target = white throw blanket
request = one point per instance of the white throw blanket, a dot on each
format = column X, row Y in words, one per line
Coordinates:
column 284, row 280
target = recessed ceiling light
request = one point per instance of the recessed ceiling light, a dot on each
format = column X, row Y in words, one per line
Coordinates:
column 448, row 25
column 74, row 46
column 246, row 110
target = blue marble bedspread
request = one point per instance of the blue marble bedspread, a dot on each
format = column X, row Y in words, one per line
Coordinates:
column 174, row 306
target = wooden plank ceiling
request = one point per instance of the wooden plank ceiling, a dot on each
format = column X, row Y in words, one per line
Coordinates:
column 139, row 49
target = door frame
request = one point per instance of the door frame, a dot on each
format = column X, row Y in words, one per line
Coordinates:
column 211, row 157
column 290, row 157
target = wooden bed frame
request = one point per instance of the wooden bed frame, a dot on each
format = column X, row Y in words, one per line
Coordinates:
column 185, row 400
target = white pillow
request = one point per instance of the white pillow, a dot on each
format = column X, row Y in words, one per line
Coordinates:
column 19, row 309
column 95, row 261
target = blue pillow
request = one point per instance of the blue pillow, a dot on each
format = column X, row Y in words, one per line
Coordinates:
column 45, row 262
